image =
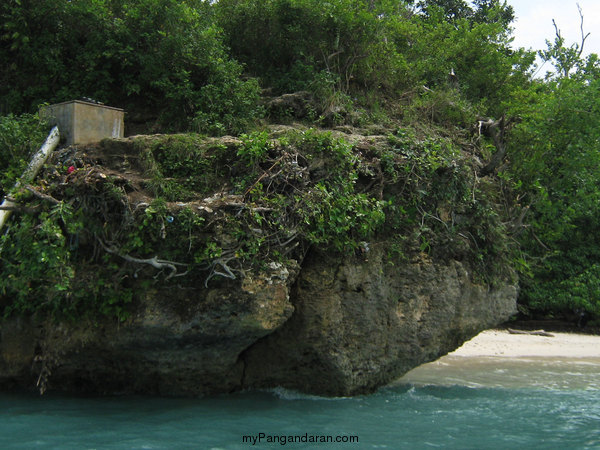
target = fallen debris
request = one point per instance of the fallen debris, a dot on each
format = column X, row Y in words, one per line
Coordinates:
column 533, row 333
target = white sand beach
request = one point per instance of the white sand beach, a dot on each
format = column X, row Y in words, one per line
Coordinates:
column 503, row 344
column 497, row 358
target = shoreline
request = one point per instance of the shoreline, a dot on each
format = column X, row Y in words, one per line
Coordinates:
column 499, row 359
column 501, row 343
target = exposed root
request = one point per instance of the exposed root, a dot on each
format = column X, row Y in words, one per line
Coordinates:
column 160, row 264
column 223, row 263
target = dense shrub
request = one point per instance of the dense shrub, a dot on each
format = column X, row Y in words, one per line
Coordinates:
column 165, row 56
column 555, row 156
column 289, row 42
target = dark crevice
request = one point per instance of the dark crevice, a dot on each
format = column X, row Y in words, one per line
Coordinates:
column 243, row 356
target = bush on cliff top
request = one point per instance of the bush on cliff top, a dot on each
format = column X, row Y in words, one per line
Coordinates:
column 89, row 253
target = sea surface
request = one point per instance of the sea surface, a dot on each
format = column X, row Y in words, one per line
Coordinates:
column 457, row 403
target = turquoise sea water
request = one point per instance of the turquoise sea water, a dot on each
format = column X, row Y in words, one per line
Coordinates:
column 462, row 404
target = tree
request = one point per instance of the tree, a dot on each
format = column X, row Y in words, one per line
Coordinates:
column 161, row 55
column 565, row 58
column 498, row 11
column 481, row 11
column 452, row 10
column 555, row 156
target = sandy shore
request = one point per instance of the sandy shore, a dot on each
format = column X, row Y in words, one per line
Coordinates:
column 501, row 343
column 497, row 358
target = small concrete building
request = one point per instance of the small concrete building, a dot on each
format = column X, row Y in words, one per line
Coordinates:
column 82, row 122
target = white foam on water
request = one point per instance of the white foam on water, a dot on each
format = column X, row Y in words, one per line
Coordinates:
column 502, row 372
column 289, row 394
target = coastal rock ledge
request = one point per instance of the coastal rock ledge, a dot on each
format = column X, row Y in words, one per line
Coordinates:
column 335, row 326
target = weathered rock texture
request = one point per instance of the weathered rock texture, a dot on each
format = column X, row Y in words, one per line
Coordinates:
column 177, row 343
column 358, row 325
column 335, row 327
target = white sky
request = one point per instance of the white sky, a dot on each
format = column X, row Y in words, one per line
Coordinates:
column 533, row 24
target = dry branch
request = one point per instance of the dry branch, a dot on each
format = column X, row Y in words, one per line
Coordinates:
column 533, row 333
column 18, row 208
column 496, row 129
column 265, row 173
column 31, row 171
column 41, row 196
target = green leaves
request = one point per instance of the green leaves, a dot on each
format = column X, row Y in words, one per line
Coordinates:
column 20, row 138
column 35, row 265
column 555, row 154
column 255, row 147
column 164, row 55
column 323, row 206
column 334, row 215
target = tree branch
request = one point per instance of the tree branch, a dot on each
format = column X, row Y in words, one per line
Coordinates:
column 18, row 208
column 496, row 129
column 41, row 196
column 154, row 262
column 583, row 36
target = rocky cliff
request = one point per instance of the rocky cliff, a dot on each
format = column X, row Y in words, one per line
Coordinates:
column 340, row 327
column 358, row 325
column 270, row 296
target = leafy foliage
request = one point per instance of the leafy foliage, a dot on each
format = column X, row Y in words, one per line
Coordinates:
column 85, row 255
column 163, row 55
column 482, row 11
column 41, row 273
column 20, row 138
column 558, row 163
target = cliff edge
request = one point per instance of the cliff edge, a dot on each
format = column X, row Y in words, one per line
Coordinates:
column 330, row 263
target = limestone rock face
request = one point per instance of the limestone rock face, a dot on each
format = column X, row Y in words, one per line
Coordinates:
column 338, row 326
column 184, row 342
column 361, row 324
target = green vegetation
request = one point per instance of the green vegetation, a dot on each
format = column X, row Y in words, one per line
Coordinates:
column 166, row 56
column 557, row 166
column 87, row 248
column 20, row 138
column 474, row 158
